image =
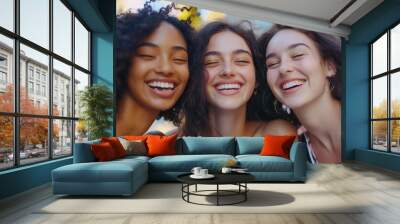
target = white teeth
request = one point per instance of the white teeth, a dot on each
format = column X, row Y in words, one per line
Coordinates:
column 291, row 84
column 228, row 86
column 163, row 85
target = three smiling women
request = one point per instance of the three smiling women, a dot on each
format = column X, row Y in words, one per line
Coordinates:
column 219, row 82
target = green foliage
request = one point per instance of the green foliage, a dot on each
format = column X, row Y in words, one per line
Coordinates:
column 96, row 102
column 380, row 127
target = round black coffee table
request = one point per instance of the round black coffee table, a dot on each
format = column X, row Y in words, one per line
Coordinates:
column 238, row 179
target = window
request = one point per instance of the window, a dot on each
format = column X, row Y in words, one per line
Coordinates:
column 81, row 45
column 34, row 22
column 7, row 89
column 37, row 74
column 30, row 72
column 385, row 91
column 3, row 61
column 62, row 29
column 30, row 87
column 81, row 81
column 38, row 89
column 47, row 35
column 43, row 90
column 3, row 78
column 3, row 71
column 7, row 14
column 62, row 76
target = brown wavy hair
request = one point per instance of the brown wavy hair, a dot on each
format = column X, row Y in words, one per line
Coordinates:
column 259, row 107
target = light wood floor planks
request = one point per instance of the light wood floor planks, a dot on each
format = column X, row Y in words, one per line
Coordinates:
column 354, row 182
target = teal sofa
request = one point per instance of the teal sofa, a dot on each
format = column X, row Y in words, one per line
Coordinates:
column 125, row 176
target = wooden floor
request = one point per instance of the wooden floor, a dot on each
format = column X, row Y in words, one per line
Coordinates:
column 377, row 188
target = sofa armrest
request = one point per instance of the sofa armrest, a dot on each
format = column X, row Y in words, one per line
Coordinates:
column 83, row 153
column 298, row 155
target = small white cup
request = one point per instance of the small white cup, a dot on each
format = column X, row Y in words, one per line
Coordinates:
column 196, row 170
column 203, row 172
column 226, row 170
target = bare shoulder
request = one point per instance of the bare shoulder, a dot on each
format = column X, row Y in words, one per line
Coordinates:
column 275, row 127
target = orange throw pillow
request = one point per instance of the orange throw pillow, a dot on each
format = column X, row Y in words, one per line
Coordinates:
column 161, row 145
column 103, row 152
column 135, row 137
column 277, row 145
column 116, row 145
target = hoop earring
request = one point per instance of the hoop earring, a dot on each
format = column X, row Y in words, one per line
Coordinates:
column 331, row 85
column 255, row 92
column 286, row 108
column 276, row 106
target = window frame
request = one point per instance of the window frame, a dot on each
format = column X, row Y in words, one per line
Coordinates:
column 388, row 74
column 16, row 115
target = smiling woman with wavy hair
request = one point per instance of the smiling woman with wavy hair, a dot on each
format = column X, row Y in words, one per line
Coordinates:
column 229, row 96
column 303, row 72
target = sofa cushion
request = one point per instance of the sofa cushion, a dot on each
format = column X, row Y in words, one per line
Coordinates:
column 134, row 147
column 257, row 163
column 277, row 145
column 116, row 145
column 161, row 145
column 83, row 152
column 135, row 137
column 185, row 163
column 131, row 158
column 249, row 145
column 112, row 171
column 206, row 145
column 103, row 152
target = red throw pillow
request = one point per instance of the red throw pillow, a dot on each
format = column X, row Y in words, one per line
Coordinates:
column 116, row 145
column 161, row 145
column 277, row 145
column 103, row 152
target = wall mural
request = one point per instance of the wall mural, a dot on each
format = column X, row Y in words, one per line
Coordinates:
column 195, row 72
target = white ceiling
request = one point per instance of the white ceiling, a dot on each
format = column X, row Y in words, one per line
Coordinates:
column 319, row 9
column 317, row 15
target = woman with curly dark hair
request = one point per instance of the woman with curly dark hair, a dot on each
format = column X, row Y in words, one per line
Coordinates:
column 229, row 96
column 303, row 72
column 152, row 68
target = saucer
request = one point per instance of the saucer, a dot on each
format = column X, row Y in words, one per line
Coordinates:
column 208, row 176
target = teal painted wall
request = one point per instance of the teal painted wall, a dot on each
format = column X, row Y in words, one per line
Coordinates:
column 99, row 16
column 24, row 178
column 356, row 102
column 103, row 61
column 103, row 51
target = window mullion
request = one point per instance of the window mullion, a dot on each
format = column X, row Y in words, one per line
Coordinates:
column 16, row 84
column 73, row 82
column 50, row 81
column 389, row 106
column 371, row 92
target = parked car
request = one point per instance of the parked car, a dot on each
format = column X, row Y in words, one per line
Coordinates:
column 22, row 155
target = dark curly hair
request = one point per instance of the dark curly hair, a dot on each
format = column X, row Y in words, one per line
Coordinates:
column 259, row 107
column 329, row 49
column 132, row 29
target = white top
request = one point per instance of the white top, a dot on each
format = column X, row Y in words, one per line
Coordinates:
column 303, row 131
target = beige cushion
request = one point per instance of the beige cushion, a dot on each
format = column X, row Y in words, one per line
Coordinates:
column 134, row 147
